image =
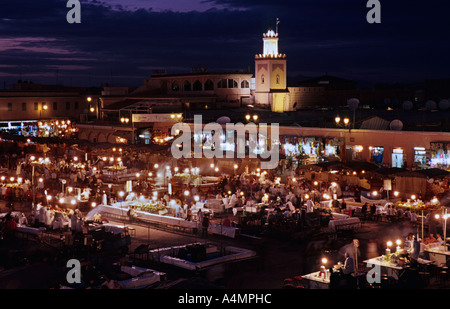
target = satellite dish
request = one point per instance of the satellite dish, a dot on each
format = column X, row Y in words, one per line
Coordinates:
column 407, row 105
column 396, row 125
column 353, row 103
column 444, row 104
column 430, row 105
column 223, row 120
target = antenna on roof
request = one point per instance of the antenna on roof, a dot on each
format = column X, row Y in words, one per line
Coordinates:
column 276, row 27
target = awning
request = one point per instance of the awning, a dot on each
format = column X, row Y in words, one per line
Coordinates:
column 434, row 172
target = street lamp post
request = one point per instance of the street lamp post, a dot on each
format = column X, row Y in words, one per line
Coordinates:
column 444, row 217
column 345, row 122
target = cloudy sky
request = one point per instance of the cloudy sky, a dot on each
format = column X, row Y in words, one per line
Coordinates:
column 121, row 41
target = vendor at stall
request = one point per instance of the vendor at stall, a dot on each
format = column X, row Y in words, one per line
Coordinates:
column 414, row 252
column 349, row 265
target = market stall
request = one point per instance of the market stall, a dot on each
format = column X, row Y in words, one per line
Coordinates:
column 417, row 206
column 140, row 277
column 436, row 251
column 393, row 265
column 349, row 224
column 389, row 266
column 318, row 280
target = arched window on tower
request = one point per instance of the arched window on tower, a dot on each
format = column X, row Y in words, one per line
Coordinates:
column 175, row 86
column 187, row 85
column 197, row 86
column 262, row 79
column 222, row 83
column 232, row 83
column 209, row 85
column 278, row 79
column 245, row 84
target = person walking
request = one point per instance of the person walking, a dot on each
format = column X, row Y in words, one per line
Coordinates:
column 205, row 225
column 189, row 213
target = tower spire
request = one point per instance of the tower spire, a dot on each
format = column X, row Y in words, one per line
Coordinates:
column 276, row 26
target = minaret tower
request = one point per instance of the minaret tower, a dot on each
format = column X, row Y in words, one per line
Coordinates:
column 270, row 74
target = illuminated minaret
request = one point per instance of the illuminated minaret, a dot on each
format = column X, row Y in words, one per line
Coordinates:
column 270, row 75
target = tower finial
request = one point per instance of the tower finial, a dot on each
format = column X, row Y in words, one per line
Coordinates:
column 276, row 27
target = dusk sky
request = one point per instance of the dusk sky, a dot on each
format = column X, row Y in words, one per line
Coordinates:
column 120, row 42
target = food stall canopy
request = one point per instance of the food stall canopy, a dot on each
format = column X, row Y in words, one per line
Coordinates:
column 410, row 182
column 362, row 166
column 434, row 172
column 389, row 171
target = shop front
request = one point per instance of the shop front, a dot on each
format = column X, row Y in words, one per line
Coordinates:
column 25, row 128
column 42, row 128
column 257, row 144
column 439, row 155
column 420, row 157
column 310, row 150
column 376, row 155
column 398, row 157
column 354, row 152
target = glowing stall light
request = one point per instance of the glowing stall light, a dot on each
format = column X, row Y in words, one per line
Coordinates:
column 398, row 242
column 434, row 201
column 388, row 249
